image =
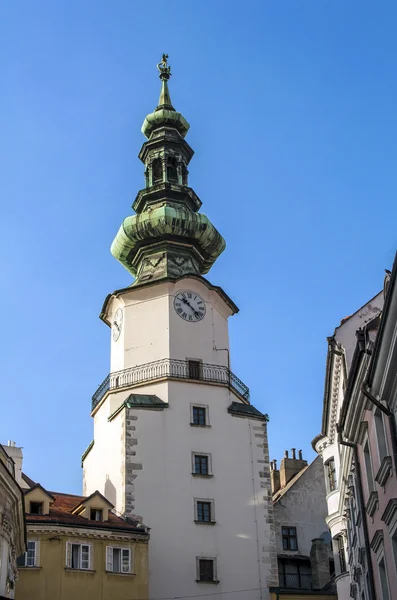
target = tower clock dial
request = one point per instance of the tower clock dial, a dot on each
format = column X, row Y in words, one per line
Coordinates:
column 117, row 324
column 190, row 306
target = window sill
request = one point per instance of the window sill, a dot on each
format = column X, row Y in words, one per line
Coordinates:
column 201, row 475
column 26, row 568
column 205, row 522
column 122, row 574
column 202, row 426
column 89, row 571
column 215, row 581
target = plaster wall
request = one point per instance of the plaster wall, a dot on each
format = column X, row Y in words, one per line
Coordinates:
column 303, row 506
column 164, row 489
column 149, row 316
column 51, row 580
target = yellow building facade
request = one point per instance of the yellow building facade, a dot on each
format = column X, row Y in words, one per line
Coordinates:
column 79, row 549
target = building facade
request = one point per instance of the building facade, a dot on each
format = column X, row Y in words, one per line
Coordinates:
column 302, row 535
column 176, row 439
column 358, row 448
column 78, row 548
column 12, row 524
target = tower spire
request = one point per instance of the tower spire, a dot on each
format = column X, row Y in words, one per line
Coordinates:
column 165, row 74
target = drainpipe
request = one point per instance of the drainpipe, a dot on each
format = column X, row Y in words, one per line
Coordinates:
column 386, row 410
column 362, row 510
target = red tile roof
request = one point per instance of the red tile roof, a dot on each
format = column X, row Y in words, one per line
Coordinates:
column 61, row 514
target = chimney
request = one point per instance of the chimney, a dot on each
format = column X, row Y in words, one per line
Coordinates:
column 291, row 466
column 319, row 561
column 274, row 477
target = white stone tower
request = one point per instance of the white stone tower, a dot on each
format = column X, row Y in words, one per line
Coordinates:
column 176, row 440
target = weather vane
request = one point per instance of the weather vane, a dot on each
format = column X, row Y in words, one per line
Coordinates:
column 165, row 70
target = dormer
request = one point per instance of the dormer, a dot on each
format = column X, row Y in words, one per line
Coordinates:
column 95, row 507
column 38, row 500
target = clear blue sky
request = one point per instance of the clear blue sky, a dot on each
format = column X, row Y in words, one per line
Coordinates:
column 292, row 105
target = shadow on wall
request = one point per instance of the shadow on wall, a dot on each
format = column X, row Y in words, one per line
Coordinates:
column 110, row 491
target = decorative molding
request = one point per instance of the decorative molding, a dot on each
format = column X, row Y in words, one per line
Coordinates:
column 372, row 504
column 377, row 540
column 385, row 471
column 46, row 528
column 390, row 511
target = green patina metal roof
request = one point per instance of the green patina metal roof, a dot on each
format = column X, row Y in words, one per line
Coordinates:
column 246, row 410
column 150, row 401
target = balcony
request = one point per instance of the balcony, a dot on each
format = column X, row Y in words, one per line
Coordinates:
column 173, row 369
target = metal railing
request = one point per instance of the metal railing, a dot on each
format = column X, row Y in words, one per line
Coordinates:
column 167, row 367
column 297, row 581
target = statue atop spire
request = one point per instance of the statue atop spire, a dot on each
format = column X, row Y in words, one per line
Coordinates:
column 165, row 70
column 165, row 74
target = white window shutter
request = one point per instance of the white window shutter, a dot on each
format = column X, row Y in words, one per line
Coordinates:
column 126, row 561
column 109, row 558
column 85, row 556
column 69, row 554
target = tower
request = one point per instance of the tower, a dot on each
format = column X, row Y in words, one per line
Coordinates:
column 176, row 440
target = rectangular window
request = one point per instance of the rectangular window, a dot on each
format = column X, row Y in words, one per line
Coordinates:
column 194, row 369
column 118, row 560
column 383, row 580
column 77, row 556
column 206, row 569
column 290, row 541
column 341, row 554
column 380, row 434
column 368, row 468
column 96, row 515
column 331, row 474
column 204, row 511
column 29, row 558
column 199, row 414
column 36, row 508
column 201, row 464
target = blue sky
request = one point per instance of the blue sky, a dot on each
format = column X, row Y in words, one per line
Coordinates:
column 292, row 112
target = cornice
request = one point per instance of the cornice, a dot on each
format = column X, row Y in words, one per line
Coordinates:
column 55, row 529
column 377, row 540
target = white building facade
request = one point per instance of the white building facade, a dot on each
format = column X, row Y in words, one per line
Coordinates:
column 176, row 440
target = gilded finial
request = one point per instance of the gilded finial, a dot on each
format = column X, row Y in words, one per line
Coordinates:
column 165, row 70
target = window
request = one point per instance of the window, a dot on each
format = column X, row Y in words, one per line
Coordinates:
column 204, row 511
column 394, row 546
column 380, row 434
column 36, row 508
column 206, row 570
column 340, row 546
column 157, row 171
column 368, row 468
column 331, row 474
column 295, row 574
column 172, row 174
column 383, row 579
column 194, row 369
column 29, row 558
column 77, row 556
column 290, row 541
column 118, row 560
column 201, row 465
column 199, row 416
column 96, row 514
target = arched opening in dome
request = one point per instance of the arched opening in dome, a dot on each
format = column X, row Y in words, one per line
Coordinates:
column 157, row 171
column 172, row 173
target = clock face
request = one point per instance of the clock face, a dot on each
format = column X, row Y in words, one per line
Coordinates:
column 190, row 306
column 117, row 324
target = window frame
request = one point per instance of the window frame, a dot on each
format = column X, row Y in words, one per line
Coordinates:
column 39, row 505
column 369, row 467
column 331, row 479
column 341, row 553
column 109, row 560
column 211, row 503
column 383, row 582
column 198, row 363
column 214, row 569
column 69, row 556
column 380, row 431
column 288, row 536
column 209, row 464
column 97, row 510
column 203, row 407
column 25, row 556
